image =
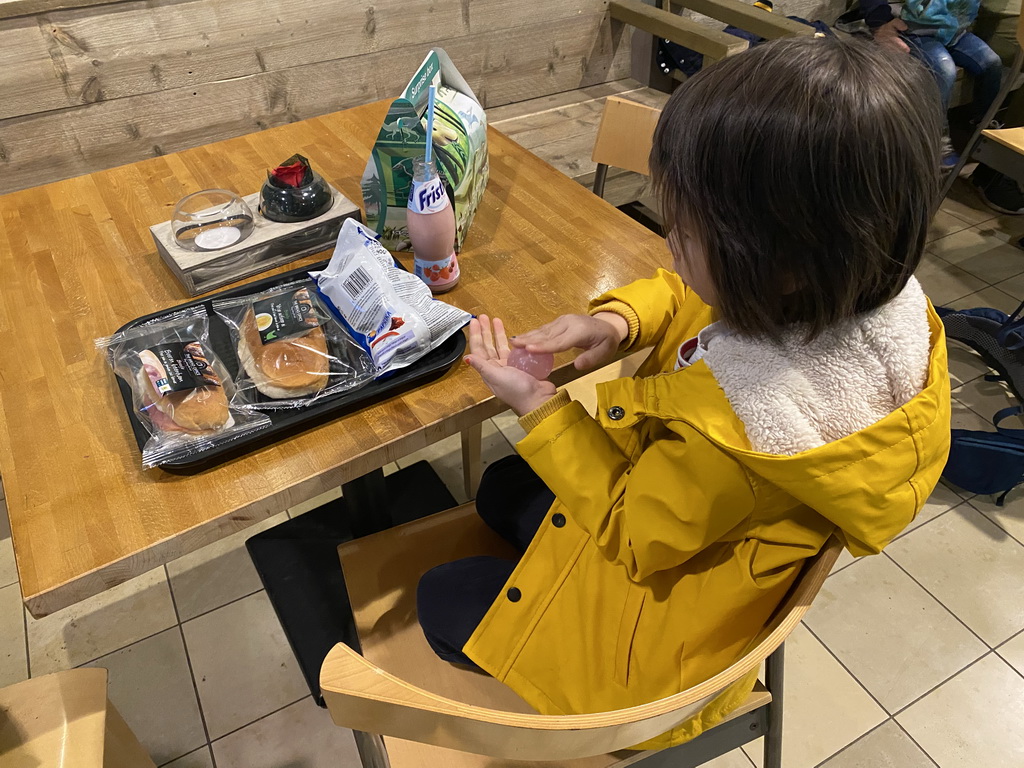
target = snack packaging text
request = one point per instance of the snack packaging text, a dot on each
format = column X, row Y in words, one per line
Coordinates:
column 459, row 148
column 181, row 392
column 292, row 351
column 390, row 312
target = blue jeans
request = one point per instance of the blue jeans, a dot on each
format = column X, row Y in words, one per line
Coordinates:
column 970, row 52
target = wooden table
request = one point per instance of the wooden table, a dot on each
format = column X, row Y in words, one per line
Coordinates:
column 77, row 262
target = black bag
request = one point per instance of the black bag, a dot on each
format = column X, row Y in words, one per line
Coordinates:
column 989, row 462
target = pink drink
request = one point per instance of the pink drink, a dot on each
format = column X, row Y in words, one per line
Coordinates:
column 431, row 221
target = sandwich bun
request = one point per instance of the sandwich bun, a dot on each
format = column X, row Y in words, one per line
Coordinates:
column 284, row 368
column 198, row 411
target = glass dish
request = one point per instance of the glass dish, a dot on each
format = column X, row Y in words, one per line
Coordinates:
column 211, row 220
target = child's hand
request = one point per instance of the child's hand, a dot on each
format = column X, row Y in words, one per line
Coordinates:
column 599, row 336
column 889, row 35
column 488, row 355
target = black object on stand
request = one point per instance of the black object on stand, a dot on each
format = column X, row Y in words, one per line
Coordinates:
column 299, row 566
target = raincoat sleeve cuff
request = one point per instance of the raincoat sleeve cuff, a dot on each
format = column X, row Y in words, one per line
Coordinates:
column 537, row 415
column 627, row 313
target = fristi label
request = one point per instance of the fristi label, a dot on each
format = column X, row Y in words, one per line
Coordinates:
column 428, row 196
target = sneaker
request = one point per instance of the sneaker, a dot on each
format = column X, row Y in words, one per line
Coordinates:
column 1000, row 193
column 949, row 156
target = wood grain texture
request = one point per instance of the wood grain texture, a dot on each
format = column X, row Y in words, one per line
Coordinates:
column 400, row 688
column 625, row 135
column 713, row 43
column 746, row 17
column 12, row 8
column 78, row 262
column 88, row 89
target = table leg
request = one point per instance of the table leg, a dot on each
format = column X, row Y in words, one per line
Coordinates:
column 366, row 501
column 297, row 560
column 472, row 460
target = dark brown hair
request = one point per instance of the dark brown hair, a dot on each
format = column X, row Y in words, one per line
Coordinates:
column 808, row 169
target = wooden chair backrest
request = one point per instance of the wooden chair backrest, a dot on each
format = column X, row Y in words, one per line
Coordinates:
column 625, row 135
column 64, row 720
column 397, row 690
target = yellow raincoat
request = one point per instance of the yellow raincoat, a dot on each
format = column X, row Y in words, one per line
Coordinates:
column 671, row 541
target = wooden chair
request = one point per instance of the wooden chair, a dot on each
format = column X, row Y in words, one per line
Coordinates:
column 1002, row 149
column 624, row 140
column 65, row 720
column 431, row 714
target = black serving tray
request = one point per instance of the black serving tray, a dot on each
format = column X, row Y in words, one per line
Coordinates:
column 285, row 422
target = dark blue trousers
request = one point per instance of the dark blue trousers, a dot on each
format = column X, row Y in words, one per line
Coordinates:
column 452, row 599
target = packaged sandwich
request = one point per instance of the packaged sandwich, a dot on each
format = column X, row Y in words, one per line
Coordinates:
column 291, row 349
column 390, row 312
column 181, row 390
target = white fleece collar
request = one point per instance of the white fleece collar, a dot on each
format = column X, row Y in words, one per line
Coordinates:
column 793, row 396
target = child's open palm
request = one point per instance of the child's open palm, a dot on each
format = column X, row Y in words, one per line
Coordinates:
column 488, row 355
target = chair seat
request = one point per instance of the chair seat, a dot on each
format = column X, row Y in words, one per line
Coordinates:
column 64, row 720
column 1008, row 137
column 381, row 573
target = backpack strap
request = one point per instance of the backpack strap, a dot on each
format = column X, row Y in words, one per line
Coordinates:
column 1012, row 328
column 1003, row 415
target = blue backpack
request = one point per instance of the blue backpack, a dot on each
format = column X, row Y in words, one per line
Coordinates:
column 979, row 461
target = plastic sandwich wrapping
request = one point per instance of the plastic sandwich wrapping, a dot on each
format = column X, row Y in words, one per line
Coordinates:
column 298, row 344
column 181, row 391
column 291, row 350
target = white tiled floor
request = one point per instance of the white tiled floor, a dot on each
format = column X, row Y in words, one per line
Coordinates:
column 909, row 659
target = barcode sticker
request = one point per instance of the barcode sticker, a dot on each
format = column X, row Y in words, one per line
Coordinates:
column 356, row 282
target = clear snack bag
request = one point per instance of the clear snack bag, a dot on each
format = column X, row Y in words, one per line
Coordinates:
column 291, row 349
column 390, row 313
column 181, row 390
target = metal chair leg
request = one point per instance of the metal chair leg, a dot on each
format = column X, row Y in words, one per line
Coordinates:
column 965, row 157
column 600, row 175
column 774, row 679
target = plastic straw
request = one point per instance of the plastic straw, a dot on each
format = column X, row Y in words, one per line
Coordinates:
column 430, row 122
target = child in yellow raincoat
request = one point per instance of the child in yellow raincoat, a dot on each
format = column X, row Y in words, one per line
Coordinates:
column 797, row 388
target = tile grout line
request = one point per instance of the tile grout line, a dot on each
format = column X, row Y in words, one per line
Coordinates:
column 929, row 592
column 1009, row 639
column 942, row 683
column 859, row 739
column 1000, row 527
column 188, row 661
column 261, row 717
column 848, row 671
column 205, row 747
column 926, row 522
column 915, row 742
column 1005, row 660
column 232, row 601
column 152, row 634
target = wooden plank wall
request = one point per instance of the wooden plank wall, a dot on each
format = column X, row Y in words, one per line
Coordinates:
column 94, row 87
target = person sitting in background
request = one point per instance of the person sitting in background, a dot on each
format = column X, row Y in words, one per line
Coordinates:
column 997, row 26
column 937, row 32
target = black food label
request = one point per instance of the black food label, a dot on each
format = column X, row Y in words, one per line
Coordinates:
column 178, row 366
column 285, row 316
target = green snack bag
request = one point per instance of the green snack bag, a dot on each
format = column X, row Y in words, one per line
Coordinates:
column 460, row 150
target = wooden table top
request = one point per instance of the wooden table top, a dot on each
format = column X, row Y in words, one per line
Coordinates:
column 77, row 262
